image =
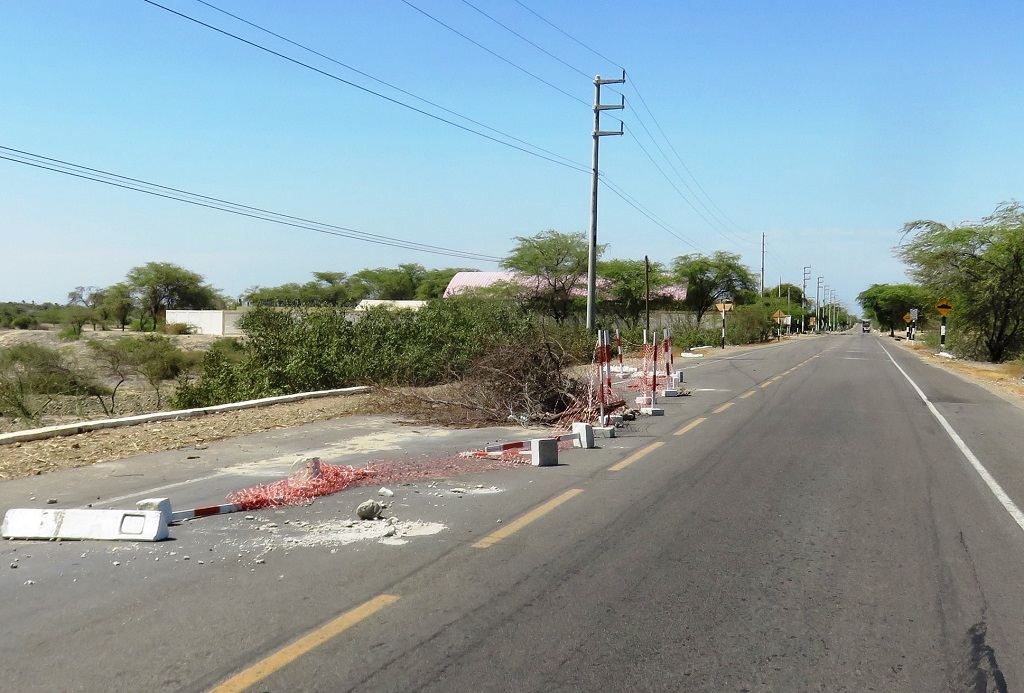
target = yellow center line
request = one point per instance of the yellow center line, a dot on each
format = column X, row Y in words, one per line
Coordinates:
column 516, row 525
column 723, row 407
column 765, row 384
column 634, row 457
column 747, row 394
column 693, row 424
column 265, row 667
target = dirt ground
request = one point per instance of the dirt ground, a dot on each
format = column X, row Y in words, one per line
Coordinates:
column 42, row 456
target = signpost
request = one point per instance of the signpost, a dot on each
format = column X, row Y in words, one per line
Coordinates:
column 944, row 307
column 724, row 306
column 778, row 316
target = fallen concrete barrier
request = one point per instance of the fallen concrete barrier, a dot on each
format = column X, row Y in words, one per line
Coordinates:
column 84, row 523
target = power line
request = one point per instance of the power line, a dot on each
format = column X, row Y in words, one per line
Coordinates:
column 516, row 33
column 496, row 55
column 361, row 73
column 572, row 165
column 138, row 185
column 679, row 158
column 567, row 35
column 632, row 202
column 660, row 130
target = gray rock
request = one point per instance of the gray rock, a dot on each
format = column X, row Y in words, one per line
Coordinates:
column 369, row 510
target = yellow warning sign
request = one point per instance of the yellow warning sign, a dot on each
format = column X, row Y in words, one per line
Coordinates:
column 944, row 307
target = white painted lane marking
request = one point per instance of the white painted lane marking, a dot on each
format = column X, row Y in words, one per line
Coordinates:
column 989, row 480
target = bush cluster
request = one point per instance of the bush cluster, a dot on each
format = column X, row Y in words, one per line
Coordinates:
column 288, row 351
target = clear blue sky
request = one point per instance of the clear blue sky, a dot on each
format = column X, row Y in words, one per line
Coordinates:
column 825, row 126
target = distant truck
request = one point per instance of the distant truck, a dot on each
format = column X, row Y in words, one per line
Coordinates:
column 865, row 326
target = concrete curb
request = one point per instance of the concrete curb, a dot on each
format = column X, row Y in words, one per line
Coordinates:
column 84, row 426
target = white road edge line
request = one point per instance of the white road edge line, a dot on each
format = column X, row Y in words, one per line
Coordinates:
column 150, row 492
column 989, row 480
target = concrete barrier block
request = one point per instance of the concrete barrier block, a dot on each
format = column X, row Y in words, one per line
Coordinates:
column 652, row 411
column 604, row 432
column 84, row 523
column 161, row 504
column 544, row 452
column 585, row 435
column 670, row 392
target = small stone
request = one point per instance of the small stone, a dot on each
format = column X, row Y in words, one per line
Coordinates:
column 184, row 558
column 369, row 510
column 499, row 522
column 14, row 565
column 200, row 563
column 51, row 501
column 458, row 490
column 260, row 561
column 250, row 517
column 385, row 492
column 30, row 582
column 389, row 532
column 117, row 562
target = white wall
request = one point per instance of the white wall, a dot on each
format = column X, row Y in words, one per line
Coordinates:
column 219, row 322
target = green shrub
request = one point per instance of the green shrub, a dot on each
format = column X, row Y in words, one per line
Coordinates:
column 178, row 328
column 31, row 375
column 23, row 322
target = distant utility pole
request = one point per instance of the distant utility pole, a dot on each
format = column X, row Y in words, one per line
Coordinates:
column 803, row 295
column 762, row 267
column 817, row 305
column 598, row 134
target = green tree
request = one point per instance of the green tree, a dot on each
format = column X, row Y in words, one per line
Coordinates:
column 552, row 267
column 433, row 282
column 886, row 304
column 980, row 267
column 118, row 304
column 391, row 284
column 711, row 279
column 624, row 288
column 159, row 286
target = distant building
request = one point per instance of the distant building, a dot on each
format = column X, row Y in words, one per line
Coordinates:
column 368, row 303
column 468, row 281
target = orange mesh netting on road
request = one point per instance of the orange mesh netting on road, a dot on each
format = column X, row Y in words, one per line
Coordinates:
column 313, row 478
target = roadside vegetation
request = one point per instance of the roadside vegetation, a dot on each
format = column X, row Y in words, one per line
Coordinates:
column 978, row 267
column 508, row 350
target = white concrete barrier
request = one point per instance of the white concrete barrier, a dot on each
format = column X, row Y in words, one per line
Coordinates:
column 584, row 433
column 84, row 523
column 544, row 452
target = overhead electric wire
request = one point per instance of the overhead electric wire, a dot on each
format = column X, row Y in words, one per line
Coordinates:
column 391, row 86
column 155, row 189
column 496, row 55
column 632, row 84
column 516, row 33
column 686, row 168
column 680, row 192
column 635, row 204
column 567, row 35
column 572, row 165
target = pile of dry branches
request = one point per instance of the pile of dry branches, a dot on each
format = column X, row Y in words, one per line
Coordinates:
column 507, row 384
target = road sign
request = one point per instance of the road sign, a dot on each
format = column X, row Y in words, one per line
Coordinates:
column 724, row 307
column 944, row 307
column 778, row 315
column 907, row 318
column 913, row 314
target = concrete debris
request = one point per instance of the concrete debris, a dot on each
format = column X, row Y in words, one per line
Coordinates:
column 369, row 510
column 384, row 491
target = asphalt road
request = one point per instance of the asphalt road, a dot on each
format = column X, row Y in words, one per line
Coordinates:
column 803, row 522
